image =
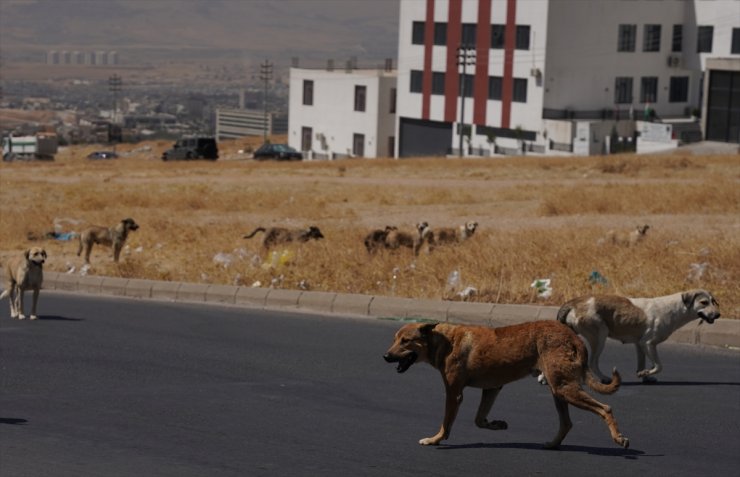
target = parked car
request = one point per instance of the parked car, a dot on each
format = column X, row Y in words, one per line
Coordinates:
column 192, row 148
column 281, row 152
column 102, row 155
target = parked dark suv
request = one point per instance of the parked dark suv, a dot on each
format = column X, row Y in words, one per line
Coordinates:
column 192, row 148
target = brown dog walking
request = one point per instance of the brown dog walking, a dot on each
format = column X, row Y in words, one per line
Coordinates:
column 489, row 358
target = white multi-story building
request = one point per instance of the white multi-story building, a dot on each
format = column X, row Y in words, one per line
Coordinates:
column 560, row 74
column 338, row 113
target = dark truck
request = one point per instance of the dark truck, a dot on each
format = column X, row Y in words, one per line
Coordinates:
column 188, row 148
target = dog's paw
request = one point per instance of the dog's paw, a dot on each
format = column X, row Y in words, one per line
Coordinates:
column 649, row 380
column 498, row 425
column 21, row 317
column 622, row 441
column 430, row 441
column 34, row 317
column 542, row 379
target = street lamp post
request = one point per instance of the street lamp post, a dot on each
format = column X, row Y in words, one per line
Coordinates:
column 465, row 58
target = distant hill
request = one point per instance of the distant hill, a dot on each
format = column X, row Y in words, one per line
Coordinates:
column 366, row 29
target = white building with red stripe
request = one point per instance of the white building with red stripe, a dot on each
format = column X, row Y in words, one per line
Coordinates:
column 546, row 75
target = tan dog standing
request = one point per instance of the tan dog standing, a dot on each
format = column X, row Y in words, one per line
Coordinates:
column 376, row 239
column 452, row 235
column 109, row 236
column 646, row 322
column 23, row 273
column 489, row 358
column 279, row 235
column 628, row 239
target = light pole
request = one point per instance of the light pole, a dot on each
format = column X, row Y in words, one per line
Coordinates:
column 266, row 76
column 465, row 57
column 114, row 86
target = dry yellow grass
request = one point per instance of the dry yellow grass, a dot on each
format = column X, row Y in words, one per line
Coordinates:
column 539, row 218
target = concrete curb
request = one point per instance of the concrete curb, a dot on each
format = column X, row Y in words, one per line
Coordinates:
column 723, row 333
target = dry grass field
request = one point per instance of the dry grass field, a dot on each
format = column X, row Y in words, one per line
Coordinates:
column 539, row 218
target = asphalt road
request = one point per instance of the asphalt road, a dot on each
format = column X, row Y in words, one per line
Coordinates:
column 106, row 387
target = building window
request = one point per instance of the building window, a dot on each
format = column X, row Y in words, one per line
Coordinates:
column 735, row 48
column 438, row 83
column 360, row 94
column 651, row 38
column 520, row 90
column 649, row 89
column 679, row 89
column 358, row 145
column 468, row 34
column 497, row 36
column 440, row 34
column 306, row 139
column 677, row 40
column 494, row 87
column 416, row 81
column 704, row 39
column 392, row 109
column 417, row 33
column 623, row 90
column 307, row 92
column 522, row 37
column 627, row 35
column 467, row 85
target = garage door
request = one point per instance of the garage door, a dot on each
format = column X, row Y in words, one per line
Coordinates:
column 723, row 106
column 424, row 138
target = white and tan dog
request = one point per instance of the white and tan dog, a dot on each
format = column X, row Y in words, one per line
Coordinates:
column 646, row 322
column 23, row 273
column 451, row 235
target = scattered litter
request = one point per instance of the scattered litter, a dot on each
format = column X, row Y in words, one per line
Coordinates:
column 453, row 281
column 696, row 271
column 303, row 285
column 205, row 278
column 277, row 281
column 468, row 292
column 85, row 268
column 238, row 280
column 223, row 259
column 542, row 287
column 596, row 278
column 62, row 224
column 70, row 268
column 257, row 284
column 279, row 259
column 139, row 249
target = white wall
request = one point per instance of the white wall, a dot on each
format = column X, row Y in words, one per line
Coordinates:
column 332, row 113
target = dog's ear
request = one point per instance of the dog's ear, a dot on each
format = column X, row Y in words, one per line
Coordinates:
column 688, row 298
column 427, row 328
column 27, row 253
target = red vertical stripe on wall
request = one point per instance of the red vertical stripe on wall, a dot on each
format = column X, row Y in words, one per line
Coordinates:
column 426, row 88
column 507, row 88
column 452, row 78
column 482, row 49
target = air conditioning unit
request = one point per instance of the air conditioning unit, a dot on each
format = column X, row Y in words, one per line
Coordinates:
column 674, row 61
column 535, row 72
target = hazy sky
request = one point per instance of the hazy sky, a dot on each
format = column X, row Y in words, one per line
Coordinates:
column 365, row 27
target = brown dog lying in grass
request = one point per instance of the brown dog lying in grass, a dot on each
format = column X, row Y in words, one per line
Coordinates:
column 279, row 235
column 489, row 358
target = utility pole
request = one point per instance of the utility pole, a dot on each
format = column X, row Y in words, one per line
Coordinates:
column 114, row 86
column 266, row 76
column 465, row 58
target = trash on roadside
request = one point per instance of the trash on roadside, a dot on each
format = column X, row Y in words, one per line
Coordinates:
column 85, row 268
column 467, row 293
column 542, row 287
column 453, row 282
column 223, row 259
column 279, row 259
column 696, row 271
column 257, row 284
column 596, row 278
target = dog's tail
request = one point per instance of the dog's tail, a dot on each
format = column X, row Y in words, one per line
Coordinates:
column 563, row 312
column 258, row 229
column 604, row 388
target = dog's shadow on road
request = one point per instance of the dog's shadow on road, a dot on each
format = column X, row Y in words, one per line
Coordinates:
column 605, row 451
column 58, row 318
column 681, row 383
column 12, row 420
